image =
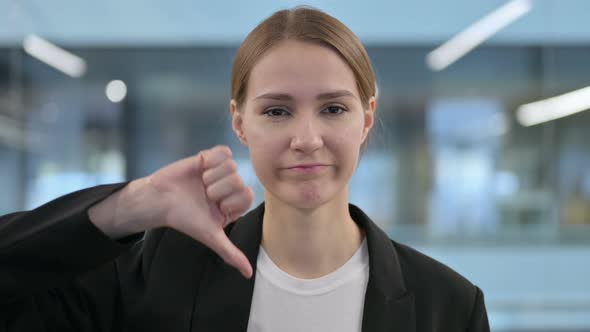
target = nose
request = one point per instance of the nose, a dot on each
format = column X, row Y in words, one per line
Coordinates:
column 307, row 136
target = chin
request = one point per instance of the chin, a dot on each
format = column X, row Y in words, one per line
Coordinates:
column 307, row 197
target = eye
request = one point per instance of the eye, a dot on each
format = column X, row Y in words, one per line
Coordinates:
column 334, row 110
column 276, row 113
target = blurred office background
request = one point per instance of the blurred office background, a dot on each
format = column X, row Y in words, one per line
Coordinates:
column 455, row 166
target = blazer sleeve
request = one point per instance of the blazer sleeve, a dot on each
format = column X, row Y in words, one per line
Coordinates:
column 57, row 270
column 478, row 321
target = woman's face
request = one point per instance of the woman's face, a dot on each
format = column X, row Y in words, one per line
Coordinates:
column 303, row 122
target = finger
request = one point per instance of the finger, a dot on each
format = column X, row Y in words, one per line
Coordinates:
column 216, row 155
column 212, row 175
column 225, row 187
column 236, row 204
column 230, row 254
column 192, row 165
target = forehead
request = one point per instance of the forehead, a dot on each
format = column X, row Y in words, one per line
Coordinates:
column 302, row 69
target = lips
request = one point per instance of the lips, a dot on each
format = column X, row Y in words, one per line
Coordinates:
column 307, row 169
column 303, row 166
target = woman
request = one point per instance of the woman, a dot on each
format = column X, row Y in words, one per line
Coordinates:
column 155, row 254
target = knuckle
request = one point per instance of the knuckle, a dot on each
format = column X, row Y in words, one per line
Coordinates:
column 226, row 150
column 207, row 176
column 223, row 151
column 232, row 166
column 210, row 190
column 236, row 178
column 246, row 202
column 224, row 205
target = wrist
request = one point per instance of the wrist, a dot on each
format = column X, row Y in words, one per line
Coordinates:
column 125, row 212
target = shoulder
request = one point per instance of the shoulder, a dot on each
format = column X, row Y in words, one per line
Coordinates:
column 434, row 284
column 423, row 267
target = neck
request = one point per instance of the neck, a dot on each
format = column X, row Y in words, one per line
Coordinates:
column 309, row 243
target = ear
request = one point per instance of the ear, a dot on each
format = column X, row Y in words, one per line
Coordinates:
column 237, row 121
column 369, row 117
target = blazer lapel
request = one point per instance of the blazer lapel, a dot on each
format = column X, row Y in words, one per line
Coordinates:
column 388, row 305
column 383, row 314
column 224, row 296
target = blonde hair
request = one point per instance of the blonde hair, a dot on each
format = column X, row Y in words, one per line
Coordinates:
column 308, row 25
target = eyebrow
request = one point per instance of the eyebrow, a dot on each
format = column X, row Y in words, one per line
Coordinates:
column 321, row 96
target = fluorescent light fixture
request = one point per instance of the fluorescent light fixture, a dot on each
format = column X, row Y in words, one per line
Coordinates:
column 54, row 56
column 116, row 91
column 477, row 33
column 554, row 108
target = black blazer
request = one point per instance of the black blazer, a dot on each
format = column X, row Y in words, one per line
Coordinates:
column 58, row 272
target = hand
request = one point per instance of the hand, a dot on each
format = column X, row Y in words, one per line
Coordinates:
column 199, row 196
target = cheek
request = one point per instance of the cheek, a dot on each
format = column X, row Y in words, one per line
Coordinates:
column 349, row 136
column 264, row 147
column 262, row 162
column 265, row 142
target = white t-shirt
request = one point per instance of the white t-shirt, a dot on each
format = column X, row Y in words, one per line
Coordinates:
column 333, row 302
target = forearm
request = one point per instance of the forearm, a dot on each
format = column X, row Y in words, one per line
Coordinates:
column 52, row 243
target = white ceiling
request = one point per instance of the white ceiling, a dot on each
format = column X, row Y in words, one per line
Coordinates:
column 188, row 22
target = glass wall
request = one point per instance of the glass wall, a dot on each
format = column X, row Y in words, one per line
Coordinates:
column 457, row 164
